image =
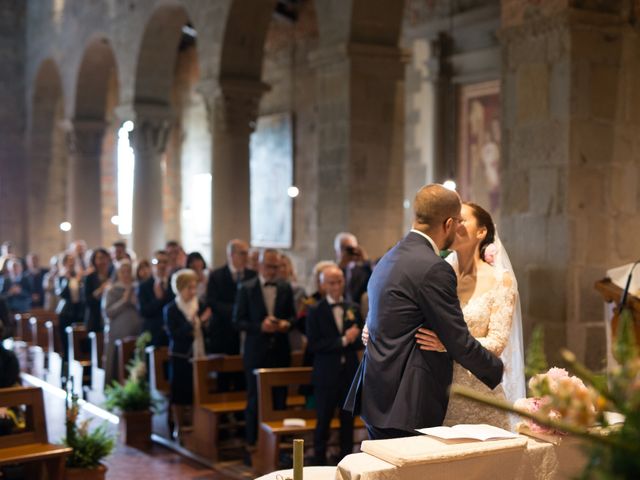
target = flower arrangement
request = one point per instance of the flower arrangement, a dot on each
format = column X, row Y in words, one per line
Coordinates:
column 135, row 394
column 89, row 447
column 574, row 404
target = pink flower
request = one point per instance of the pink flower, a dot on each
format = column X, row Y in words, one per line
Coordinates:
column 490, row 253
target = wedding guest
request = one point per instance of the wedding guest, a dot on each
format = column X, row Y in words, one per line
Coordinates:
column 119, row 251
column 287, row 273
column 78, row 249
column 95, row 283
column 185, row 319
column 120, row 306
column 153, row 294
column 353, row 261
column 221, row 297
column 49, row 284
column 70, row 309
column 264, row 310
column 35, row 275
column 175, row 254
column 15, row 287
column 254, row 259
column 333, row 330
column 143, row 270
column 196, row 262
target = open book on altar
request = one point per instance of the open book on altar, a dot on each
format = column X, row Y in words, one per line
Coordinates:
column 478, row 431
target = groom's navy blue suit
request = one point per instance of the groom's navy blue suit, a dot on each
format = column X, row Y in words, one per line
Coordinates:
column 398, row 386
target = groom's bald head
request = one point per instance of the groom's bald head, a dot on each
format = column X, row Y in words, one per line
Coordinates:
column 433, row 205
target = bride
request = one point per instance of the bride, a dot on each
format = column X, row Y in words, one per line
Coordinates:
column 488, row 295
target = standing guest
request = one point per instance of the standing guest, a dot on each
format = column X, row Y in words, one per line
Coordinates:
column 333, row 329
column 253, row 263
column 185, row 319
column 94, row 286
column 70, row 309
column 288, row 274
column 176, row 256
column 353, row 261
column 143, row 271
column 6, row 252
column 264, row 309
column 49, row 284
column 35, row 275
column 153, row 294
column 195, row 261
column 120, row 306
column 221, row 297
column 15, row 287
column 78, row 249
column 119, row 251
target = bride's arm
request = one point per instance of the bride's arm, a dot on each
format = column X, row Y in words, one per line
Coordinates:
column 501, row 317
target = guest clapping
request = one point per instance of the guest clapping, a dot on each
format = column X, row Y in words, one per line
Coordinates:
column 95, row 285
column 153, row 295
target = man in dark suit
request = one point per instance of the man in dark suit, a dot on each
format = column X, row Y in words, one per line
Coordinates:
column 353, row 261
column 265, row 310
column 403, row 387
column 15, row 287
column 34, row 275
column 333, row 332
column 153, row 294
column 221, row 296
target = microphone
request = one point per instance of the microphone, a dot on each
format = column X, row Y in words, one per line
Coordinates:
column 625, row 293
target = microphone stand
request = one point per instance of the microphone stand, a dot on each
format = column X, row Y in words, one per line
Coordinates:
column 625, row 294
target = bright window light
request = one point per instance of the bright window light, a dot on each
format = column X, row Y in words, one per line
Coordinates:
column 126, row 162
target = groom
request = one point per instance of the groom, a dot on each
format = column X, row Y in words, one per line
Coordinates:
column 398, row 386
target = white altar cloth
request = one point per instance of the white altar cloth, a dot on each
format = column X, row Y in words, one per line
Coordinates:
column 538, row 460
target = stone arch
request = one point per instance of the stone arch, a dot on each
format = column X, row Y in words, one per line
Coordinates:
column 97, row 67
column 47, row 163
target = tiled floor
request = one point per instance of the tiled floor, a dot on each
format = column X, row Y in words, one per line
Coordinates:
column 129, row 463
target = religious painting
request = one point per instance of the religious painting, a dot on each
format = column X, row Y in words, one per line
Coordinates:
column 479, row 145
column 271, row 169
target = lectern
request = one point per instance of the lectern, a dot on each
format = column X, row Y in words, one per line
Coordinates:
column 612, row 293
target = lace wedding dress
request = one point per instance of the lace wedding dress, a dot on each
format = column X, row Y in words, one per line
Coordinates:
column 489, row 318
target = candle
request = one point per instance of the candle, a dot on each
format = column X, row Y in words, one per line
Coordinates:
column 298, row 459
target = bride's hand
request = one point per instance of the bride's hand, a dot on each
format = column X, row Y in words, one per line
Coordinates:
column 428, row 340
column 365, row 335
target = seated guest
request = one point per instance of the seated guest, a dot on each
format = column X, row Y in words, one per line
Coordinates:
column 333, row 331
column 95, row 284
column 352, row 259
column 70, row 309
column 49, row 284
column 15, row 287
column 120, row 306
column 196, row 262
column 35, row 276
column 221, row 296
column 153, row 294
column 264, row 310
column 185, row 319
column 143, row 271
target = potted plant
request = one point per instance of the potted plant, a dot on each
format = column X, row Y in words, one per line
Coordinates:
column 89, row 447
column 133, row 400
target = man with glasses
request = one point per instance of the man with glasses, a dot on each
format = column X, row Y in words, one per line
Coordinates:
column 153, row 294
column 265, row 311
column 399, row 387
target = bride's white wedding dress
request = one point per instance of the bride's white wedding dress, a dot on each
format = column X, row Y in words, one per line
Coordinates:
column 489, row 318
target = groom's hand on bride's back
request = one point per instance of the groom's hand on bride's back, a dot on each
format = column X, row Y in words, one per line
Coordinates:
column 428, row 340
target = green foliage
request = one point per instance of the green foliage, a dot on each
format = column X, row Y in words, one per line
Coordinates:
column 134, row 395
column 625, row 348
column 536, row 360
column 89, row 447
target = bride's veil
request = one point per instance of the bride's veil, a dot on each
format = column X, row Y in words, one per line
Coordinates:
column 513, row 355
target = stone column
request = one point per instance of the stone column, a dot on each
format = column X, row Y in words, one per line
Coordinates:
column 149, row 140
column 232, row 105
column 360, row 165
column 84, row 207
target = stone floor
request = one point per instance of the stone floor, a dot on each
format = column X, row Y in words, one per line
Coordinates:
column 129, row 463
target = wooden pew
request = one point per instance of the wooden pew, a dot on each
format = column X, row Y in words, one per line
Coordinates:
column 158, row 360
column 54, row 359
column 210, row 405
column 30, row 446
column 271, row 428
column 124, row 350
column 79, row 356
column 38, row 351
column 22, row 328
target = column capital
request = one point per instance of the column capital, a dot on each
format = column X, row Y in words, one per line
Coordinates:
column 232, row 102
column 152, row 124
column 84, row 135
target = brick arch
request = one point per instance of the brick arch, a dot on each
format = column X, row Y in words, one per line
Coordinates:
column 157, row 56
column 97, row 66
column 47, row 162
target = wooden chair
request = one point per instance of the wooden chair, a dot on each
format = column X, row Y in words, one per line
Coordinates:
column 30, row 446
column 124, row 350
column 211, row 405
column 271, row 428
column 79, row 356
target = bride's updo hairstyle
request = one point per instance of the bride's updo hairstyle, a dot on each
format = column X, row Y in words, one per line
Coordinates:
column 483, row 219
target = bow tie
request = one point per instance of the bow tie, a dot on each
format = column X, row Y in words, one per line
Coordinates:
column 270, row 284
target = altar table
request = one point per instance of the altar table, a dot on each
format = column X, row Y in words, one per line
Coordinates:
column 535, row 460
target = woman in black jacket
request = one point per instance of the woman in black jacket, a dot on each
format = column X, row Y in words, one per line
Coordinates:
column 184, row 318
column 94, row 286
column 70, row 308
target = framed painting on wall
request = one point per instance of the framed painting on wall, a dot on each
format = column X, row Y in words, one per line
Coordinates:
column 271, row 174
column 479, row 145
